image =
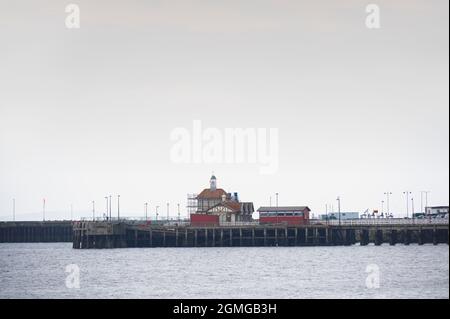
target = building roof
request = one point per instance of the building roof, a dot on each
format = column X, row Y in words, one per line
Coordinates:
column 207, row 193
column 236, row 207
column 282, row 208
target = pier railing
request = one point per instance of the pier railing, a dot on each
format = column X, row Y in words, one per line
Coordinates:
column 382, row 221
column 233, row 224
column 333, row 222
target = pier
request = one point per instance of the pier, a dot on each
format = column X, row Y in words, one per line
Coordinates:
column 97, row 235
column 128, row 233
column 33, row 232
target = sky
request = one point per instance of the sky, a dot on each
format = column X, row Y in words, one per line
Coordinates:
column 89, row 112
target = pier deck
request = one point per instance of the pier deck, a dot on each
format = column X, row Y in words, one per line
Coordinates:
column 122, row 234
column 28, row 232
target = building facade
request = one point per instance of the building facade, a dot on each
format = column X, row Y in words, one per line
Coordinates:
column 344, row 216
column 440, row 211
column 215, row 206
column 290, row 215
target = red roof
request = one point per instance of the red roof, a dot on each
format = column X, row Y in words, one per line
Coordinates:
column 211, row 194
column 234, row 206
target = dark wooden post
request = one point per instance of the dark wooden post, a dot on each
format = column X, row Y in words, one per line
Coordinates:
column 150, row 239
column 265, row 236
column 195, row 238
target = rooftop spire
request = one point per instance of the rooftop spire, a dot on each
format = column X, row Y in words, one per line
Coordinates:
column 213, row 182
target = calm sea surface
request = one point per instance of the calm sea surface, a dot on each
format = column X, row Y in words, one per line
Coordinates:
column 39, row 271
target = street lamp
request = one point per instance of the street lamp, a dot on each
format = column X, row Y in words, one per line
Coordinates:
column 407, row 193
column 426, row 200
column 178, row 212
column 382, row 208
column 106, row 215
column 167, row 212
column 339, row 208
column 276, row 201
column 145, row 209
column 157, row 212
column 43, row 210
column 118, row 207
column 412, row 207
column 93, row 210
column 110, row 214
column 387, row 202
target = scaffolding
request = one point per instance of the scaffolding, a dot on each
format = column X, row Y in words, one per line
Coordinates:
column 192, row 204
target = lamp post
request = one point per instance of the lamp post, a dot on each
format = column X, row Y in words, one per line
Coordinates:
column 426, row 200
column 382, row 208
column 407, row 202
column 387, row 202
column 276, row 200
column 110, row 213
column 339, row 208
column 157, row 212
column 118, row 207
column 93, row 210
column 178, row 212
column 43, row 210
column 421, row 201
column 412, row 207
column 145, row 211
column 106, row 215
column 167, row 212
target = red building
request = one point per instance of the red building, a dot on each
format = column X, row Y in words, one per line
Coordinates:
column 215, row 206
column 290, row 215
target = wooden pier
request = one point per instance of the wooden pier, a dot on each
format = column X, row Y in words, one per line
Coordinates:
column 122, row 234
column 29, row 232
column 104, row 234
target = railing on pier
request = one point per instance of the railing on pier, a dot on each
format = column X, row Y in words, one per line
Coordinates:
column 236, row 224
column 138, row 220
column 332, row 222
column 381, row 221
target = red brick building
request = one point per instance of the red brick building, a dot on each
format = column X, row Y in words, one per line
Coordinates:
column 291, row 215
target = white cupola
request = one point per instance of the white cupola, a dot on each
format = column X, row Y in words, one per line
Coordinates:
column 213, row 183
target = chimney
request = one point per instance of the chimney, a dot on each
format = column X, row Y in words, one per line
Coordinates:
column 224, row 197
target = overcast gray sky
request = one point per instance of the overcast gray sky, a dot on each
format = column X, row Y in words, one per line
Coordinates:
column 88, row 112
